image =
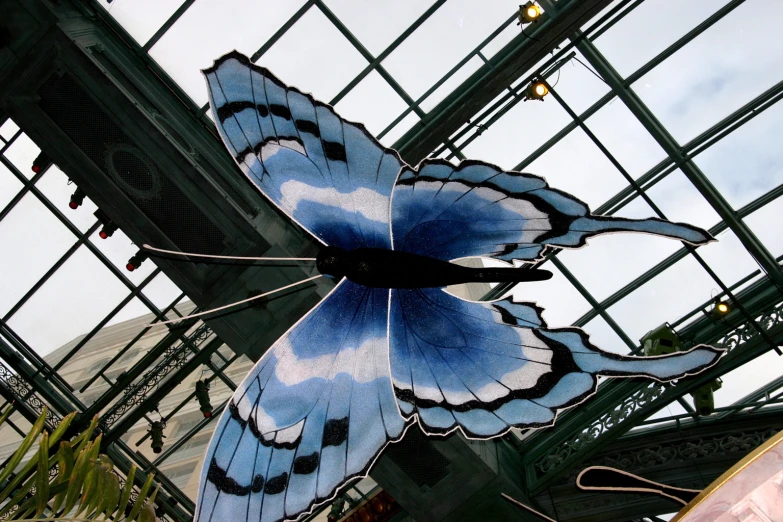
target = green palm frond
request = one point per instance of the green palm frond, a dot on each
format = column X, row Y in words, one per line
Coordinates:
column 84, row 488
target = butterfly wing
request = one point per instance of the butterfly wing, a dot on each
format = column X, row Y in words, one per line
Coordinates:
column 485, row 367
column 476, row 209
column 315, row 411
column 329, row 175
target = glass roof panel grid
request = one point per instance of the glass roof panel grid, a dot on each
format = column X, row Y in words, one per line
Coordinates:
column 378, row 24
column 184, row 50
column 765, row 224
column 649, row 28
column 454, row 31
column 517, row 133
column 576, row 165
column 625, row 138
column 747, row 163
column 142, row 19
column 372, row 102
column 714, row 74
column 665, row 298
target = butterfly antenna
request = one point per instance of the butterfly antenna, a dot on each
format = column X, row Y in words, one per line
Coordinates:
column 210, row 256
column 205, row 312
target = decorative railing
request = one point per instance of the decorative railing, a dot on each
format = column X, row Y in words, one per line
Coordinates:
column 646, row 396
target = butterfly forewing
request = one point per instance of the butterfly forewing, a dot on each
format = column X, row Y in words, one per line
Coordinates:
column 329, row 175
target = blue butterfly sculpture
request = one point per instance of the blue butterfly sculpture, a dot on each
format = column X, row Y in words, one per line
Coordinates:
column 369, row 361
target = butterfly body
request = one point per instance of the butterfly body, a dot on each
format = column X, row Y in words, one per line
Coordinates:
column 382, row 268
column 388, row 347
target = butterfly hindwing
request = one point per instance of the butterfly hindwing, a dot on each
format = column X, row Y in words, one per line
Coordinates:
column 476, row 209
column 314, row 412
column 486, row 367
column 329, row 175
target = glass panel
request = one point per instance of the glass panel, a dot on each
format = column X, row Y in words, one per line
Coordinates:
column 602, row 335
column 399, row 130
column 765, row 223
column 733, row 61
column 70, row 303
column 119, row 249
column 576, row 165
column 562, row 303
column 510, row 32
column 649, row 29
column 161, row 291
column 518, row 133
column 625, row 138
column 667, row 297
column 377, row 24
column 57, row 189
column 22, row 153
column 443, row 40
column 372, row 102
column 611, row 261
column 33, row 240
column 679, row 201
column 747, row 378
column 728, row 258
column 451, row 84
column 577, row 85
column 8, row 129
column 315, row 57
column 184, row 50
column 9, row 186
column 142, row 18
column 747, row 163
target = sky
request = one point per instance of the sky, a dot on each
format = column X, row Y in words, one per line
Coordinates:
column 712, row 76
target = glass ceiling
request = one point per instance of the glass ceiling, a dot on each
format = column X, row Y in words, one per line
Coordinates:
column 708, row 71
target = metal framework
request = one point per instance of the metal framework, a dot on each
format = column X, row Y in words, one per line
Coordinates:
column 615, row 421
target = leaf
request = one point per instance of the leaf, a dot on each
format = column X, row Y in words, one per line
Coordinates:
column 6, row 413
column 84, row 437
column 26, row 444
column 20, row 494
column 147, row 513
column 112, row 495
column 59, row 431
column 65, row 465
column 80, row 470
column 126, row 491
column 142, row 497
column 42, row 475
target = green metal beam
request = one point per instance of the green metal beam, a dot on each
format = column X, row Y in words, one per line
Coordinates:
column 690, row 169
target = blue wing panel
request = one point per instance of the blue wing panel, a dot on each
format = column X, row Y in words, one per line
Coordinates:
column 485, row 367
column 476, row 209
column 329, row 175
column 315, row 411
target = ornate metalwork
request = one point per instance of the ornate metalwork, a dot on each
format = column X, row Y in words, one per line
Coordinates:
column 23, row 393
column 173, row 358
column 645, row 396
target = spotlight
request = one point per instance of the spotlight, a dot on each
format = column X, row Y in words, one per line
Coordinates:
column 661, row 341
column 157, row 436
column 107, row 230
column 136, row 261
column 528, row 13
column 720, row 309
column 77, row 198
column 704, row 398
column 536, row 90
column 41, row 162
column 202, row 395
